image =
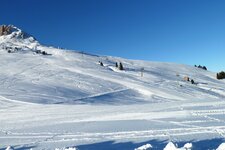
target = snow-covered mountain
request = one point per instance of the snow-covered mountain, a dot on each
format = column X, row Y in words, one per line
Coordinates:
column 54, row 98
column 14, row 37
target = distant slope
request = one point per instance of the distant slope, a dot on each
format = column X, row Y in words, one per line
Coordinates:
column 72, row 77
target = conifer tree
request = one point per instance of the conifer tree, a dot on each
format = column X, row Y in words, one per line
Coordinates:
column 220, row 75
column 116, row 65
column 204, row 67
column 121, row 66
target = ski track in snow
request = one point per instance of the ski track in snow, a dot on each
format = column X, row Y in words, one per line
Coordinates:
column 185, row 128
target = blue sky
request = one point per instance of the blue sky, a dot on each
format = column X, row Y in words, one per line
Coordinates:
column 181, row 31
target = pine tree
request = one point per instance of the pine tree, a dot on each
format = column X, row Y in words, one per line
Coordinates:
column 101, row 64
column 121, row 66
column 204, row 67
column 199, row 66
column 220, row 75
column 116, row 65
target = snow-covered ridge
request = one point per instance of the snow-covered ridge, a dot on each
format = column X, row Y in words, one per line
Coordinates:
column 16, row 33
column 17, row 40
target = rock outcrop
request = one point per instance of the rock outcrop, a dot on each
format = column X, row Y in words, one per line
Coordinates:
column 5, row 30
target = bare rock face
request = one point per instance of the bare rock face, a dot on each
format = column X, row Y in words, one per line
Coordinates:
column 5, row 30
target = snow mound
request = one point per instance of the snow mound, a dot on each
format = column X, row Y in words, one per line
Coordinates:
column 144, row 147
column 188, row 146
column 221, row 147
column 171, row 146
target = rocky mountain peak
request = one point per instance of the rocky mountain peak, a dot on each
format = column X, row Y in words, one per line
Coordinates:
column 12, row 32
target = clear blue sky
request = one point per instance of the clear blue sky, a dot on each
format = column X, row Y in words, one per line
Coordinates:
column 181, row 31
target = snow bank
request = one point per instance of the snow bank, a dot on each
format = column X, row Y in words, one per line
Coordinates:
column 144, row 147
column 221, row 147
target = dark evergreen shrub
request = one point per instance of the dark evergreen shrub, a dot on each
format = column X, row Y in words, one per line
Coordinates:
column 38, row 51
column 192, row 81
column 44, row 53
column 220, row 75
column 199, row 66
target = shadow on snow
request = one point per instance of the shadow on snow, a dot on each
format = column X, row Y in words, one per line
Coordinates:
column 157, row 145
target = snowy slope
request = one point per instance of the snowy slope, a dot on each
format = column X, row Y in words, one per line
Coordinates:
column 67, row 99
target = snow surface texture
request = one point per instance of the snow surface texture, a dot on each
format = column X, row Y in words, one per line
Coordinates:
column 66, row 99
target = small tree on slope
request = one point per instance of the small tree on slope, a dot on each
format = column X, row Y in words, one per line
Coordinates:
column 121, row 66
column 116, row 65
column 220, row 75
